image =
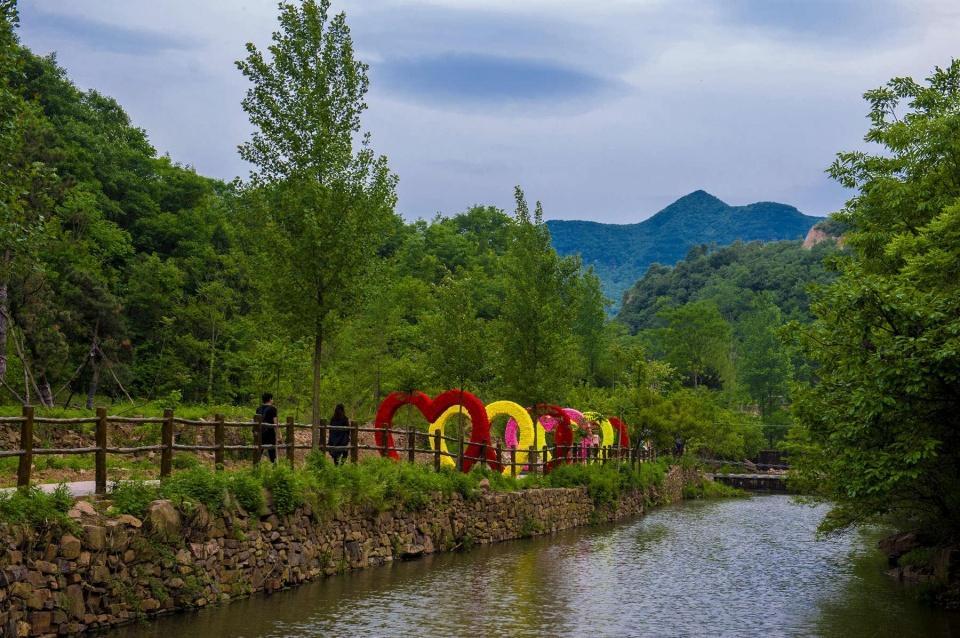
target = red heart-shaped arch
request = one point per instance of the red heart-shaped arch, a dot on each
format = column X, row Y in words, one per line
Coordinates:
column 431, row 409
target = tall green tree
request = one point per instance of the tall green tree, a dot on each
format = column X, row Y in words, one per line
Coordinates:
column 324, row 201
column 879, row 433
column 533, row 329
column 763, row 363
column 697, row 341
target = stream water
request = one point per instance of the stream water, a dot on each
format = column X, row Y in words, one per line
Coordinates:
column 742, row 567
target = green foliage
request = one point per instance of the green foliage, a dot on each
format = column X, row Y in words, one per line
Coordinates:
column 698, row 342
column 606, row 483
column 877, row 432
column 196, row 485
column 287, row 488
column 132, row 497
column 36, row 508
column 533, row 330
column 324, row 206
column 705, row 488
column 247, row 489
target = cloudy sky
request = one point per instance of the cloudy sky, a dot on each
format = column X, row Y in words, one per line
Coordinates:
column 603, row 109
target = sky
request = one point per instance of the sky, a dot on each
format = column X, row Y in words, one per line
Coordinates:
column 602, row 109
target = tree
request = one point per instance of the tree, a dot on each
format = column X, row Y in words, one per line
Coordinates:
column 763, row 364
column 533, row 329
column 324, row 202
column 589, row 322
column 879, row 433
column 455, row 335
column 697, row 341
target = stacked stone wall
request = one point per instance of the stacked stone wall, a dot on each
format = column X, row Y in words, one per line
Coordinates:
column 114, row 570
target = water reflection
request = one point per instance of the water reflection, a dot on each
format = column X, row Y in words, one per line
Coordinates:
column 721, row 568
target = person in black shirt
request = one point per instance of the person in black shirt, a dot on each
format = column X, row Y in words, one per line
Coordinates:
column 268, row 426
column 339, row 437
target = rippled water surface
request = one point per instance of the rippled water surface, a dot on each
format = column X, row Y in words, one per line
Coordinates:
column 721, row 568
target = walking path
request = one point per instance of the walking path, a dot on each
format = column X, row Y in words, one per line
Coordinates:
column 77, row 489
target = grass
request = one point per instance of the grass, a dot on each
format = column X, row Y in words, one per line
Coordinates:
column 376, row 484
column 31, row 506
column 710, row 489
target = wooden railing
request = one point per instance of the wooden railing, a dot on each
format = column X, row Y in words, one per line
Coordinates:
column 536, row 458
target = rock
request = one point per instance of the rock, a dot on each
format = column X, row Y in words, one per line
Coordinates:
column 75, row 605
column 897, row 545
column 82, row 508
column 484, row 484
column 45, row 567
column 40, row 622
column 150, row 604
column 132, row 521
column 70, row 547
column 163, row 518
column 95, row 537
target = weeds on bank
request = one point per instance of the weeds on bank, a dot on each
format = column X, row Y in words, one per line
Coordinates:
column 377, row 484
column 36, row 508
column 705, row 488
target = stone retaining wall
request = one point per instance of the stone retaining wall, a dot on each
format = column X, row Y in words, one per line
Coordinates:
column 120, row 569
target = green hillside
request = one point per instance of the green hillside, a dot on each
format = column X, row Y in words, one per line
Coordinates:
column 621, row 253
column 730, row 277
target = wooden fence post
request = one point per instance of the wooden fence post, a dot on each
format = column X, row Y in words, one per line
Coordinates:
column 513, row 462
column 532, row 459
column 436, row 450
column 26, row 444
column 323, row 437
column 460, row 452
column 545, row 469
column 257, row 438
column 218, row 440
column 499, row 454
column 411, row 445
column 482, row 455
column 166, row 440
column 385, row 440
column 100, row 485
column 354, row 442
column 291, row 441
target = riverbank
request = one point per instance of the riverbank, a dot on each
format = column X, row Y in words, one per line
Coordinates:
column 109, row 570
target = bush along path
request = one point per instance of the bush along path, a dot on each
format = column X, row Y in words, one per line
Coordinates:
column 202, row 538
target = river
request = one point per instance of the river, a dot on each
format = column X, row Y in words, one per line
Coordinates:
column 720, row 568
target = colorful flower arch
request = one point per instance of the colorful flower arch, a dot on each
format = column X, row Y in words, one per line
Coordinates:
column 432, row 410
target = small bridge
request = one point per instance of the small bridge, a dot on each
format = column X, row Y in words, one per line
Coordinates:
column 768, row 474
column 753, row 482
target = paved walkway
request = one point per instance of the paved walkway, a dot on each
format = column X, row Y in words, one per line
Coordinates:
column 77, row 489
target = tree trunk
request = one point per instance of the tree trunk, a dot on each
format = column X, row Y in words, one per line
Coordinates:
column 315, row 415
column 46, row 393
column 4, row 313
column 94, row 381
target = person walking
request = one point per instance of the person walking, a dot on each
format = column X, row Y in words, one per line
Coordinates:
column 339, row 434
column 268, row 426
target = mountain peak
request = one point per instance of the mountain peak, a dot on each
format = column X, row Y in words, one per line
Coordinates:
column 699, row 197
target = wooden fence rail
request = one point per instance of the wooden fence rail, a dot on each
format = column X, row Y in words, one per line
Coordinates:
column 538, row 460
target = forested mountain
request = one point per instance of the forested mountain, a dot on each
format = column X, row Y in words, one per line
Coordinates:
column 621, row 253
column 731, row 276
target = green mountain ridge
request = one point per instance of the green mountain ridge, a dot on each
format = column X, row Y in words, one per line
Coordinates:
column 622, row 253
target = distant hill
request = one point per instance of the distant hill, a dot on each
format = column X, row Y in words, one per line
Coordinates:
column 731, row 276
column 621, row 253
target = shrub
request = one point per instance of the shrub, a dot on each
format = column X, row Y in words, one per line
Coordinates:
column 33, row 506
column 247, row 489
column 710, row 489
column 199, row 485
column 286, row 487
column 185, row 462
column 132, row 497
